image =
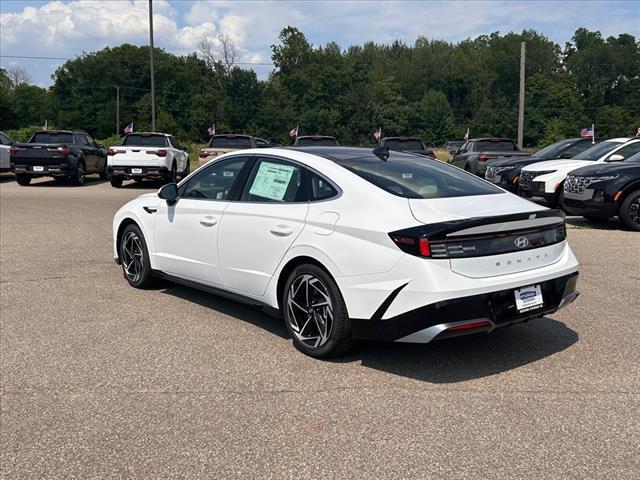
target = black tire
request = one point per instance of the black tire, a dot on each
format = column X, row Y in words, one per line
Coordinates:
column 134, row 257
column 172, row 177
column 116, row 181
column 187, row 170
column 630, row 211
column 23, row 179
column 103, row 175
column 314, row 332
column 59, row 179
column 79, row 176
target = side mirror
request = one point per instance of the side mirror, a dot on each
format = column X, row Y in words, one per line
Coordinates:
column 615, row 158
column 565, row 155
column 169, row 192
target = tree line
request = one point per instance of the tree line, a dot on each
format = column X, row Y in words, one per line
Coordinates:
column 432, row 89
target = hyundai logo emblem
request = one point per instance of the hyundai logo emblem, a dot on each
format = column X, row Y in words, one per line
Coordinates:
column 521, row 242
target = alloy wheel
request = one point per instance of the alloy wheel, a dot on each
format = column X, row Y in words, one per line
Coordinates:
column 634, row 211
column 310, row 310
column 132, row 256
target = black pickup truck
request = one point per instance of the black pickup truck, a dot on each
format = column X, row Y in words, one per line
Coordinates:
column 60, row 154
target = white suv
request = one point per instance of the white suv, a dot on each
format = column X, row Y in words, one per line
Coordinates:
column 544, row 180
column 147, row 155
column 350, row 243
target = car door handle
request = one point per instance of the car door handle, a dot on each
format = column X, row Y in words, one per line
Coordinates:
column 281, row 231
column 208, row 221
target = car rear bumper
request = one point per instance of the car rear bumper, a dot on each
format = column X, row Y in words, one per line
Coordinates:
column 52, row 170
column 141, row 172
column 464, row 315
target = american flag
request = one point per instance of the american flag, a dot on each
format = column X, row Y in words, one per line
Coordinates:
column 212, row 130
column 378, row 134
column 293, row 133
column 638, row 132
column 129, row 128
column 587, row 132
column 466, row 135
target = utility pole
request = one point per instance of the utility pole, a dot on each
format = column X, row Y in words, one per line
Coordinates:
column 118, row 110
column 521, row 103
column 153, row 86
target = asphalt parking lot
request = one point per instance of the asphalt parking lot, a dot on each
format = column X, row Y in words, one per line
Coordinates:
column 101, row 380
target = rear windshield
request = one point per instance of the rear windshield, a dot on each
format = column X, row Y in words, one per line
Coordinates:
column 495, row 146
column 597, row 151
column 411, row 145
column 52, row 137
column 317, row 142
column 454, row 143
column 145, row 140
column 230, row 142
column 418, row 177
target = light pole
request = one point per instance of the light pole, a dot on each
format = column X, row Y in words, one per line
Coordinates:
column 153, row 86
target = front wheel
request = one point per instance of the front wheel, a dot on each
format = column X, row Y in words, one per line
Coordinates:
column 172, row 177
column 630, row 211
column 187, row 170
column 116, row 181
column 79, row 175
column 23, row 179
column 134, row 257
column 315, row 313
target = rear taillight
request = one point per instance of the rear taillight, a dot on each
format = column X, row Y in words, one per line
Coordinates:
column 60, row 150
column 469, row 326
column 160, row 153
column 111, row 152
column 483, row 158
column 413, row 245
column 425, row 250
column 13, row 150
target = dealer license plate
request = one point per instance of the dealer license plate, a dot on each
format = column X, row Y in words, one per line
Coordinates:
column 136, row 170
column 38, row 169
column 528, row 298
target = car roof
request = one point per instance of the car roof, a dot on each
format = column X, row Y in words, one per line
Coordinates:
column 621, row 139
column 351, row 153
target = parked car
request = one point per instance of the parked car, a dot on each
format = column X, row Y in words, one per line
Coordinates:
column 452, row 147
column 147, row 155
column 224, row 143
column 262, row 143
column 544, row 181
column 316, row 141
column 605, row 190
column 505, row 172
column 475, row 153
column 5, row 146
column 59, row 154
column 347, row 245
column 406, row 144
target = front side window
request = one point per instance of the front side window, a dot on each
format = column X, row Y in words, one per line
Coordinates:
column 628, row 150
column 412, row 177
column 216, row 182
column 597, row 151
column 274, row 180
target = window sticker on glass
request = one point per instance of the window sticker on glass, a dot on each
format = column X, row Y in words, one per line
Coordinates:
column 407, row 175
column 272, row 181
column 227, row 174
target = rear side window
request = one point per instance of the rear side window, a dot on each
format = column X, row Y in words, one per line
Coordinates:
column 137, row 140
column 418, row 177
column 4, row 140
column 495, row 146
column 230, row 142
column 274, row 180
column 321, row 189
column 215, row 182
column 52, row 137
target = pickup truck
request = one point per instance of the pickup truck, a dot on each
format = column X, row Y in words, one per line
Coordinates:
column 227, row 142
column 406, row 144
column 5, row 146
column 61, row 154
column 147, row 155
column 473, row 155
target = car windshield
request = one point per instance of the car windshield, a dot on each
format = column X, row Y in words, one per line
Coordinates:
column 52, row 137
column 137, row 140
column 597, row 151
column 409, row 144
column 417, row 177
column 316, row 142
column 495, row 146
column 230, row 142
column 554, row 150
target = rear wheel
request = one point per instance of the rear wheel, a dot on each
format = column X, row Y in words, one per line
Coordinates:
column 116, row 181
column 23, row 179
column 134, row 257
column 630, row 211
column 79, row 174
column 173, row 174
column 315, row 313
column 187, row 170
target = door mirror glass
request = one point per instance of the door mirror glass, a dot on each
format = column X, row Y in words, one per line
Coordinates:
column 565, row 155
column 169, row 192
column 615, row 158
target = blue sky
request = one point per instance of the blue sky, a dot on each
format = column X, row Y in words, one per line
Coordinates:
column 68, row 28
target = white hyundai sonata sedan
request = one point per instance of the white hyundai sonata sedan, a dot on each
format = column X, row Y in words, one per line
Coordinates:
column 350, row 243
